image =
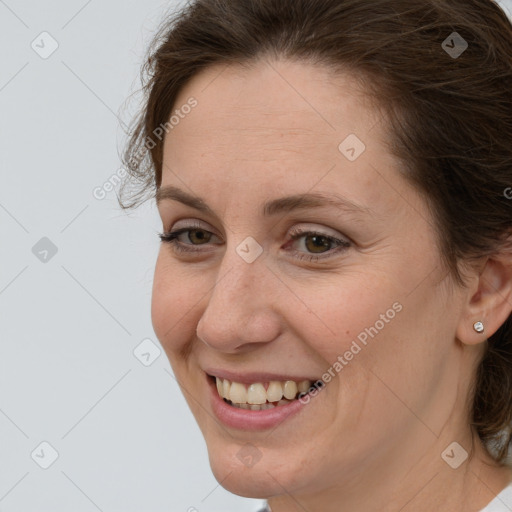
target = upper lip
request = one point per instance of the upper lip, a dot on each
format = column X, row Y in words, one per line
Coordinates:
column 250, row 377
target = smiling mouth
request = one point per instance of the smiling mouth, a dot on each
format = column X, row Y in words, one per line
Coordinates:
column 261, row 396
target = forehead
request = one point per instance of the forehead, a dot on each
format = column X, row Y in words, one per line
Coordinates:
column 266, row 98
column 278, row 125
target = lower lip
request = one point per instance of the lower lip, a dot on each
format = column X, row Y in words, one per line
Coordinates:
column 246, row 419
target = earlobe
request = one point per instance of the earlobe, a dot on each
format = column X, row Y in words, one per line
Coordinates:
column 489, row 301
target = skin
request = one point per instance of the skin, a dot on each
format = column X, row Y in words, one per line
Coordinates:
column 372, row 439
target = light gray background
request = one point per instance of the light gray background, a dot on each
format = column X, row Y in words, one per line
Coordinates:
column 125, row 438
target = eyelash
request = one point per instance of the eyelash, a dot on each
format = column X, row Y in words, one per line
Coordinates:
column 296, row 234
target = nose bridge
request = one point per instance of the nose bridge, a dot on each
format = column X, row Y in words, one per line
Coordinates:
column 239, row 309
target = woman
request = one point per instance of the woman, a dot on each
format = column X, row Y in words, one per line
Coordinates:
column 334, row 286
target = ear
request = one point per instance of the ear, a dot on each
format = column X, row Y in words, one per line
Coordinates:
column 489, row 299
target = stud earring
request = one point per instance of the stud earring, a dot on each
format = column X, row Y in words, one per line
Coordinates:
column 479, row 327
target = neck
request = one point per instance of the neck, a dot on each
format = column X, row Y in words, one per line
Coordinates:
column 428, row 484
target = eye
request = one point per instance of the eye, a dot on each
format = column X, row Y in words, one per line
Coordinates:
column 194, row 235
column 317, row 245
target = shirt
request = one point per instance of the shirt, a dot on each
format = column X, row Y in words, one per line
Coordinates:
column 502, row 502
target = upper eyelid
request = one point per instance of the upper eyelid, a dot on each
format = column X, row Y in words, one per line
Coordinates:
column 190, row 225
column 296, row 231
column 320, row 231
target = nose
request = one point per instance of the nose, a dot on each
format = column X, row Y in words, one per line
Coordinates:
column 241, row 313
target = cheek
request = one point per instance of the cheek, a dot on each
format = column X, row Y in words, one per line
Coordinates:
column 365, row 331
column 175, row 298
column 396, row 353
column 331, row 316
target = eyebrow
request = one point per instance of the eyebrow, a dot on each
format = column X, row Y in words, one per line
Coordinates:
column 272, row 207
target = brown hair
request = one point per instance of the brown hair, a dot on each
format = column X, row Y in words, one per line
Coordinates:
column 450, row 117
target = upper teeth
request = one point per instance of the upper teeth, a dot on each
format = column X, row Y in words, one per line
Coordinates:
column 257, row 394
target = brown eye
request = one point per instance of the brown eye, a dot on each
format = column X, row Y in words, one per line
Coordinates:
column 185, row 239
column 316, row 243
column 315, row 246
column 200, row 235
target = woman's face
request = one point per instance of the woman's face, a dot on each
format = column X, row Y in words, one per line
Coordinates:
column 268, row 295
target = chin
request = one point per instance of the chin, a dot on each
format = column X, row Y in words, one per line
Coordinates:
column 240, row 471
